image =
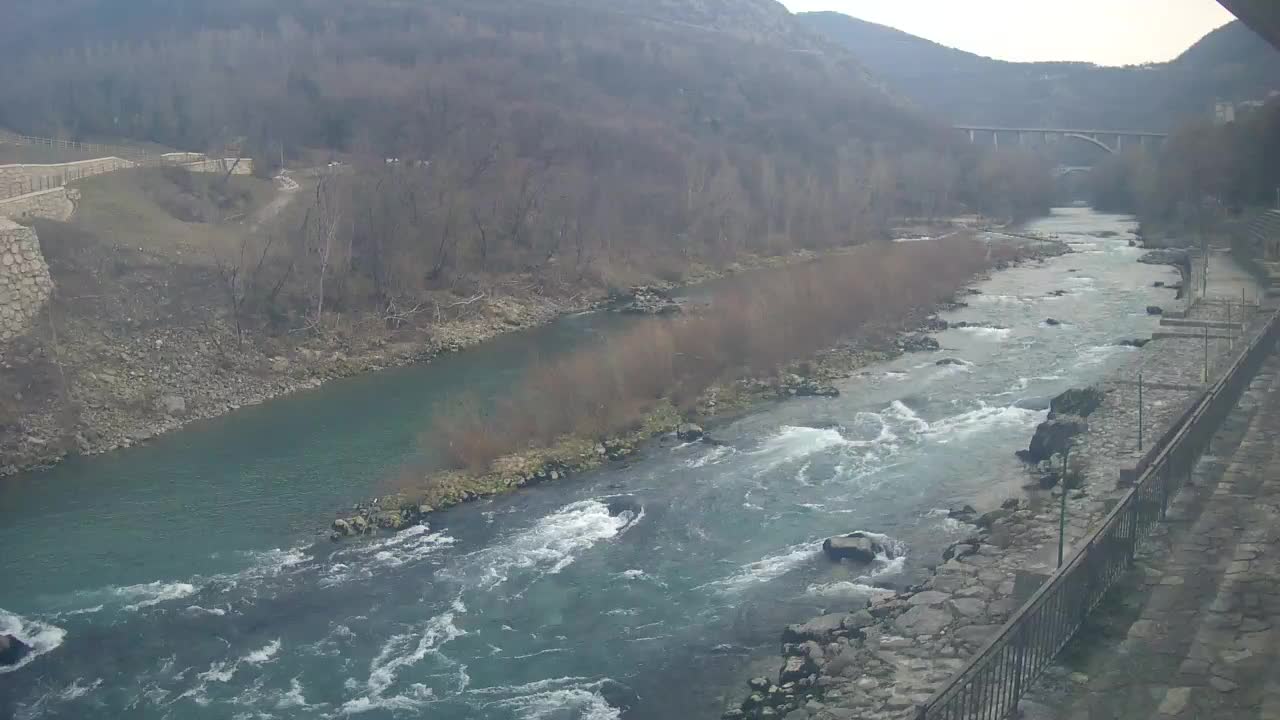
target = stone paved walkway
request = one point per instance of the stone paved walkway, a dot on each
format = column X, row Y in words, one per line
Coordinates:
column 1204, row 641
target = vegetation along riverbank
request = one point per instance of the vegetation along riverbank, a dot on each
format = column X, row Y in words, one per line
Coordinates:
column 782, row 333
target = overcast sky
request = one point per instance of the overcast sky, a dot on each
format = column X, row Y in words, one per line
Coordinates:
column 1107, row 32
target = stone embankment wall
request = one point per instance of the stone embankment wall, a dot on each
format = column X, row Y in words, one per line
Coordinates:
column 243, row 167
column 22, row 179
column 25, row 284
column 16, row 180
column 56, row 204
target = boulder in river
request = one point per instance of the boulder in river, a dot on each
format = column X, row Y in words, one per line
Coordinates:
column 918, row 343
column 1077, row 401
column 948, row 361
column 935, row 324
column 792, row 385
column 1052, row 322
column 689, row 432
column 965, row 514
column 797, row 667
column 854, row 546
column 1054, row 436
column 1155, row 310
column 644, row 300
column 822, row 629
column 12, row 650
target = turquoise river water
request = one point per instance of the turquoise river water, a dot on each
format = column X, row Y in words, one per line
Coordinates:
column 191, row 578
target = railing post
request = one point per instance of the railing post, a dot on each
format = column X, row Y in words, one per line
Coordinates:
column 1139, row 412
column 1019, row 666
column 1133, row 521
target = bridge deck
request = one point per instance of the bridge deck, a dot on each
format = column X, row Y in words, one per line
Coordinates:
column 1125, row 133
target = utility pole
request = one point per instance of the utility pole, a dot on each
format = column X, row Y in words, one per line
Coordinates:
column 1062, row 508
column 1139, row 412
column 1206, row 354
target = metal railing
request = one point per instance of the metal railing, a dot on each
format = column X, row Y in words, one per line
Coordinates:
column 989, row 686
column 66, row 173
column 129, row 153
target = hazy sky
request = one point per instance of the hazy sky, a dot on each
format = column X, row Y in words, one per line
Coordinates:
column 1107, row 32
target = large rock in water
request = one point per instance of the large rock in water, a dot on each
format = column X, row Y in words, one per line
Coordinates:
column 854, row 546
column 12, row 650
column 1077, row 401
column 823, row 629
column 689, row 432
column 1054, row 436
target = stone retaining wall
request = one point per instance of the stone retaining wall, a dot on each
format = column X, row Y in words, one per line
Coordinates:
column 25, row 284
column 56, row 204
column 243, row 167
column 22, row 179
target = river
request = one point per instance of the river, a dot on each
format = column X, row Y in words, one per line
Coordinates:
column 188, row 578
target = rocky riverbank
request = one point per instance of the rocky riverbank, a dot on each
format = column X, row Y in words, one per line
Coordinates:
column 810, row 378
column 884, row 659
column 85, row 383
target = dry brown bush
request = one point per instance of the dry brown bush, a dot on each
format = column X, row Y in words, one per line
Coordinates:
column 772, row 318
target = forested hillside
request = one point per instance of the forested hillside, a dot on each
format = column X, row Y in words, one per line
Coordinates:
column 580, row 141
column 1230, row 63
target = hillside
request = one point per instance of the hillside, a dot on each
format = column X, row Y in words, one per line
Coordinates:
column 464, row 167
column 1230, row 63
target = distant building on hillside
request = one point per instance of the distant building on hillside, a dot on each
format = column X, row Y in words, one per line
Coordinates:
column 1224, row 113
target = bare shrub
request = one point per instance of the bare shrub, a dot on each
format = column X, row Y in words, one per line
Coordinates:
column 772, row 318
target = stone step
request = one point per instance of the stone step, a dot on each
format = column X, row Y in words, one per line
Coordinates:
column 1159, row 335
column 1182, row 322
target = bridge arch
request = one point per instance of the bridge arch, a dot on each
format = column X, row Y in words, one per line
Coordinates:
column 1090, row 139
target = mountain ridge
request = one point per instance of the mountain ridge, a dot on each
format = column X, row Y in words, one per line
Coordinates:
column 959, row 87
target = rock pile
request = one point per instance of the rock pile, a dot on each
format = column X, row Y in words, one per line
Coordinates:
column 918, row 343
column 647, row 300
column 882, row 660
column 792, row 385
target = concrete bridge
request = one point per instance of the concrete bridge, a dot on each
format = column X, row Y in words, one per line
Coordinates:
column 1062, row 170
column 1112, row 141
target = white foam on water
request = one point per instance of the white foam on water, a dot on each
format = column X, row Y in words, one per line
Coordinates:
column 986, row 332
column 401, row 652
column 844, row 589
column 197, row 610
column 295, row 698
column 574, row 697
column 770, row 567
column 712, row 456
column 40, row 636
column 148, row 594
column 264, row 654
column 1101, row 353
column 998, row 299
column 218, row 672
column 359, row 561
column 554, row 543
column 793, row 443
column 76, row 690
column 802, row 475
column 946, row 522
column 984, row 417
